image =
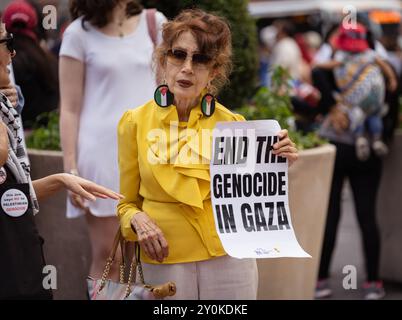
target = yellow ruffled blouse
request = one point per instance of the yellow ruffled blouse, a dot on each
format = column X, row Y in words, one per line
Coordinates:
column 164, row 171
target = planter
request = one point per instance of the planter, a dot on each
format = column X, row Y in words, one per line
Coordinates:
column 66, row 240
column 389, row 212
column 309, row 186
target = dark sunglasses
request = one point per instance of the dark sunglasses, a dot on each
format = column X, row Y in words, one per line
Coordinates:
column 9, row 40
column 178, row 57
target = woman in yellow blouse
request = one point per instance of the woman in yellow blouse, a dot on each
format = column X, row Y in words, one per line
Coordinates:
column 164, row 152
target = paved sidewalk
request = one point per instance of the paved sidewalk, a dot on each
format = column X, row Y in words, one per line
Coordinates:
column 348, row 251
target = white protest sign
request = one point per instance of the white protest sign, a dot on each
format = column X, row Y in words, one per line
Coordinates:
column 249, row 192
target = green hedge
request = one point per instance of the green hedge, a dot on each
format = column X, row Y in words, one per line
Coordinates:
column 46, row 134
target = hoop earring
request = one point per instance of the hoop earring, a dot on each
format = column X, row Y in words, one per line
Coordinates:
column 163, row 97
column 208, row 104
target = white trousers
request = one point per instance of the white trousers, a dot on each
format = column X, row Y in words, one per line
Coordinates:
column 222, row 278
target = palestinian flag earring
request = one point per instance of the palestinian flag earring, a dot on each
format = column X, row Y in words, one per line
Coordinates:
column 163, row 97
column 208, row 104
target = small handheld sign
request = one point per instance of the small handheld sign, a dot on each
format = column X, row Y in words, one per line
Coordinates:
column 249, row 192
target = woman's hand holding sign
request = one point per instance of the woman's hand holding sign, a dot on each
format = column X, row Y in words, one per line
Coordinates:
column 285, row 147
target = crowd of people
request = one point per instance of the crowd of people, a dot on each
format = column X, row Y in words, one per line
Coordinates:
column 121, row 71
column 346, row 89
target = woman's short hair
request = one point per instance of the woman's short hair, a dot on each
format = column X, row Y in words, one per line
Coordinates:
column 98, row 12
column 213, row 37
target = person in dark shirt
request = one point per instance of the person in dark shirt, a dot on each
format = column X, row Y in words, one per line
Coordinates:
column 35, row 68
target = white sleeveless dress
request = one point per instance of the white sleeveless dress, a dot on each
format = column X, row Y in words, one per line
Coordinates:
column 118, row 77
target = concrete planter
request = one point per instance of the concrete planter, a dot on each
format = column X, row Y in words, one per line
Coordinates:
column 309, row 186
column 66, row 240
column 389, row 212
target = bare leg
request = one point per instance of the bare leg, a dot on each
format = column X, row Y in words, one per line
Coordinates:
column 101, row 234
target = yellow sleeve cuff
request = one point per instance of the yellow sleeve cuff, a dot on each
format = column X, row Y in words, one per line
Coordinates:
column 125, row 225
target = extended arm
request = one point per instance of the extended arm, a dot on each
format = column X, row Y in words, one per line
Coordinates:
column 47, row 186
column 148, row 234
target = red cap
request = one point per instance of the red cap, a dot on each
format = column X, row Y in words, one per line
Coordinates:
column 352, row 38
column 20, row 11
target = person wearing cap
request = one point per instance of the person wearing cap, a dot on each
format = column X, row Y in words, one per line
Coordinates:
column 19, row 16
column 35, row 68
column 357, row 70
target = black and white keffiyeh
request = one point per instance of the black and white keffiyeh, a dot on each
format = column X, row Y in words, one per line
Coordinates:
column 17, row 162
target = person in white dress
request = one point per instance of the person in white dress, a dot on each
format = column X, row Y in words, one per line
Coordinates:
column 105, row 69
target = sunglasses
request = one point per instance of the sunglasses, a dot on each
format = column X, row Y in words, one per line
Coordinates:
column 9, row 41
column 178, row 57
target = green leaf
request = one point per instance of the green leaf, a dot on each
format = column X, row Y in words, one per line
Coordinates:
column 45, row 136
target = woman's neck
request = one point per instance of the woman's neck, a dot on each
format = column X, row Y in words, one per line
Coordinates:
column 184, row 107
column 119, row 13
column 120, row 24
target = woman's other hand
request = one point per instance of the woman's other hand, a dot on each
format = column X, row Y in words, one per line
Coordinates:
column 150, row 237
column 285, row 147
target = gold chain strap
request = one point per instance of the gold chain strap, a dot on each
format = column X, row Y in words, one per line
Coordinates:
column 110, row 261
column 133, row 270
column 135, row 263
column 106, row 271
column 139, row 265
column 122, row 269
column 123, row 260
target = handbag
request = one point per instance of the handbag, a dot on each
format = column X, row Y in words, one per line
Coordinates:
column 106, row 289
